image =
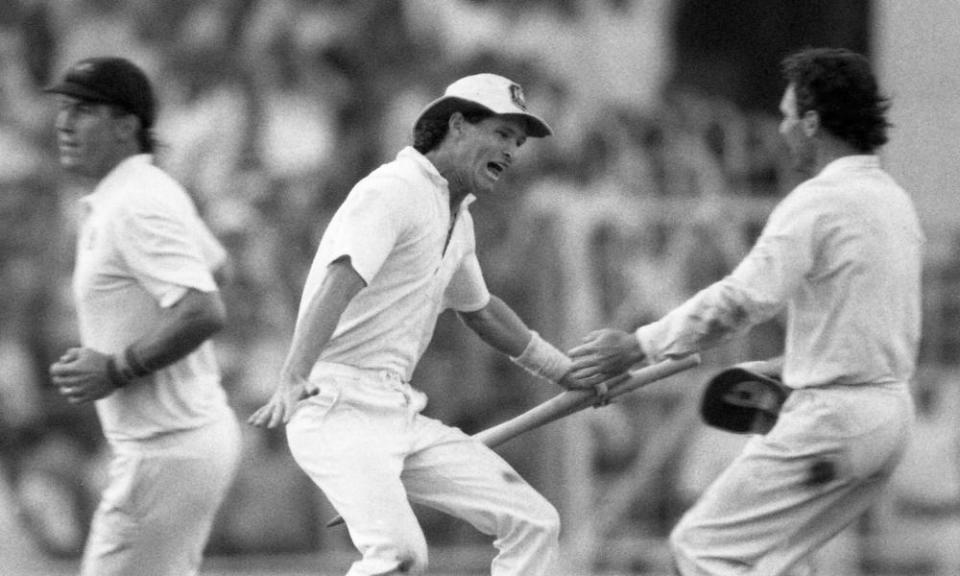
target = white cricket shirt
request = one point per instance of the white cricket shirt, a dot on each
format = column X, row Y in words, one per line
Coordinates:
column 141, row 246
column 393, row 226
column 843, row 253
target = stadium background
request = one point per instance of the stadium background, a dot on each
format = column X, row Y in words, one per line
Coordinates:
column 663, row 168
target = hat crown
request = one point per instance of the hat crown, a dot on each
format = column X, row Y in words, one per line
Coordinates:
column 491, row 90
column 110, row 80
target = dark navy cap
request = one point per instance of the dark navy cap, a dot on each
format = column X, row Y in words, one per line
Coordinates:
column 110, row 80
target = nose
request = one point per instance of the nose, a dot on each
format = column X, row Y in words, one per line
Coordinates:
column 65, row 120
column 784, row 127
column 510, row 150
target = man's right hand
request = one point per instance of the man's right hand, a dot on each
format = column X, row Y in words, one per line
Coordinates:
column 279, row 409
column 603, row 354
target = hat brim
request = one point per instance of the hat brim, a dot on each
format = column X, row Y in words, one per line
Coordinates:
column 77, row 91
column 446, row 105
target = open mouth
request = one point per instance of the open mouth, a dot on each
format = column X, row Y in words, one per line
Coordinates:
column 496, row 169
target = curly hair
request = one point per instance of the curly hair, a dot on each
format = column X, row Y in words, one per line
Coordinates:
column 430, row 131
column 839, row 85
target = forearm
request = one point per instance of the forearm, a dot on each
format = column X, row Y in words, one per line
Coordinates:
column 319, row 321
column 183, row 327
column 711, row 317
column 309, row 339
column 499, row 326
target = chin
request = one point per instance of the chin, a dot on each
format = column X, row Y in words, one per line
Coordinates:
column 69, row 163
column 76, row 168
column 486, row 190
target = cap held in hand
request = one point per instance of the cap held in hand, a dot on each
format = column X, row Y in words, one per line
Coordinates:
column 743, row 401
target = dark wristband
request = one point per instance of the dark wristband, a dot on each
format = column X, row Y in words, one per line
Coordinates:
column 114, row 375
column 136, row 366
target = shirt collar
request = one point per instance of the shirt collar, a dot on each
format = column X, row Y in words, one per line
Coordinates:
column 854, row 162
column 431, row 172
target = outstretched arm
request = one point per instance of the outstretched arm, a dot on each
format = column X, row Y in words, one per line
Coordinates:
column 500, row 327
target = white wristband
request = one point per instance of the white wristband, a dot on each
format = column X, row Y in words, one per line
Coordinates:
column 542, row 359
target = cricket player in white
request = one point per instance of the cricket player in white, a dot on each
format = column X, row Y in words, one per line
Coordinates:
column 147, row 304
column 398, row 252
column 842, row 253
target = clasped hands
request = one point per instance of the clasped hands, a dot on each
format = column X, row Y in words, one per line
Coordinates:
column 602, row 360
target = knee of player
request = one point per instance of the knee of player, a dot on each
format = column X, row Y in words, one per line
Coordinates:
column 550, row 521
column 680, row 545
column 410, row 560
column 414, row 559
column 543, row 519
column 412, row 564
column 398, row 553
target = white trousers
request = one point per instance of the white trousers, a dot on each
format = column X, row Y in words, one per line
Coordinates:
column 363, row 441
column 825, row 463
column 157, row 511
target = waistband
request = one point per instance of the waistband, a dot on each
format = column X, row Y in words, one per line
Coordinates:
column 223, row 426
column 321, row 369
column 895, row 387
column 364, row 386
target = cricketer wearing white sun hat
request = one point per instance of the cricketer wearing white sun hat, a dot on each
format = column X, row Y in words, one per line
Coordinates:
column 489, row 92
column 401, row 250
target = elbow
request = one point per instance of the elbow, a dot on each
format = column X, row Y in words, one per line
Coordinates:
column 208, row 318
column 224, row 274
column 475, row 321
column 215, row 318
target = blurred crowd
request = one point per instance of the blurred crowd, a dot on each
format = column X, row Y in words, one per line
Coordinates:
column 270, row 111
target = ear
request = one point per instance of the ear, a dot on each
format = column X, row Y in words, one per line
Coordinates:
column 810, row 123
column 127, row 127
column 455, row 123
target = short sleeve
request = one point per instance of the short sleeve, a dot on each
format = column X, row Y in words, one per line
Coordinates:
column 214, row 254
column 367, row 226
column 467, row 291
column 163, row 246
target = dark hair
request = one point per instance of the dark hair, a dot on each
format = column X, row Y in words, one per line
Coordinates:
column 430, row 131
column 145, row 136
column 840, row 87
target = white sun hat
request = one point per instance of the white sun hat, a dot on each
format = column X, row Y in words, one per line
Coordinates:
column 491, row 92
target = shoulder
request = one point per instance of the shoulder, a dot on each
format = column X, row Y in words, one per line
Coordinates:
column 148, row 189
column 391, row 187
column 828, row 191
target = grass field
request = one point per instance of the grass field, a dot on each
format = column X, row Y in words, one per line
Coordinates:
column 443, row 563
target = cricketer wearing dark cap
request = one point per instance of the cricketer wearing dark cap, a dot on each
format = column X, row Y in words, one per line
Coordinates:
column 110, row 80
column 147, row 304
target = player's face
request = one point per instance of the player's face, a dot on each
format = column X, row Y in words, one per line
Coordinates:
column 799, row 143
column 489, row 149
column 89, row 136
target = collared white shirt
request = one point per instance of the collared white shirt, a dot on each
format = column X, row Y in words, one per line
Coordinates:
column 141, row 246
column 394, row 226
column 843, row 253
